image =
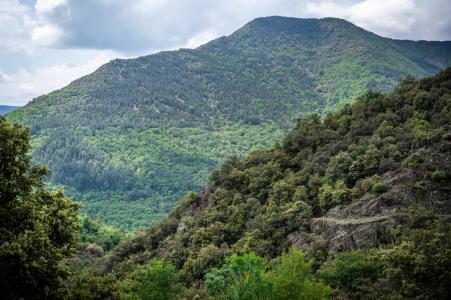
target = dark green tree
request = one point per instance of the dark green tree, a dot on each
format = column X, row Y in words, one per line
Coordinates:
column 156, row 281
column 38, row 228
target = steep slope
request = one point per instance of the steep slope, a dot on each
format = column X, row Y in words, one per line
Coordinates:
column 343, row 183
column 134, row 136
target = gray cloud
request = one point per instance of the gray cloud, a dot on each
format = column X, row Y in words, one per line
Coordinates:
column 401, row 19
column 42, row 39
column 140, row 25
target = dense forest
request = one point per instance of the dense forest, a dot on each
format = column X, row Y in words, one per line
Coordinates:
column 354, row 205
column 374, row 176
column 133, row 137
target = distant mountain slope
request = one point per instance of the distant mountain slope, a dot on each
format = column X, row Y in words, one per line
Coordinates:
column 332, row 185
column 4, row 109
column 129, row 139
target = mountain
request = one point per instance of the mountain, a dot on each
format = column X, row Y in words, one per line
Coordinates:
column 4, row 109
column 373, row 176
column 134, row 136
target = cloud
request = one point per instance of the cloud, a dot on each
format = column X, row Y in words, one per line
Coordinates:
column 46, row 35
column 33, row 31
column 400, row 19
column 16, row 25
column 25, row 84
column 138, row 26
column 50, row 6
column 142, row 26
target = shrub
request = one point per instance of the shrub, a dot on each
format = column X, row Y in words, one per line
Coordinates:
column 439, row 175
column 157, row 280
column 293, row 279
column 379, row 188
column 352, row 272
column 241, row 277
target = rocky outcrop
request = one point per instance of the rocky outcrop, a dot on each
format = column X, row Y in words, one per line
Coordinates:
column 346, row 234
column 369, row 222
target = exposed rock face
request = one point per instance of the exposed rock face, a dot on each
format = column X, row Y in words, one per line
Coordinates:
column 345, row 234
column 370, row 221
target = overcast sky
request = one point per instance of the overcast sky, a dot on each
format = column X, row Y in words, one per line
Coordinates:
column 45, row 44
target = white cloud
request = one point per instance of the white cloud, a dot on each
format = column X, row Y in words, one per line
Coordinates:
column 25, row 84
column 401, row 19
column 49, row 6
column 200, row 39
column 15, row 27
column 46, row 35
column 29, row 29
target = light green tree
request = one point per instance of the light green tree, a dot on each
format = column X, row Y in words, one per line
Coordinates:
column 293, row 279
column 241, row 277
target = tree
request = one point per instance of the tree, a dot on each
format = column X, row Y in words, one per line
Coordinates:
column 85, row 284
column 339, row 165
column 241, row 277
column 330, row 196
column 352, row 272
column 38, row 229
column 157, row 280
column 420, row 266
column 293, row 279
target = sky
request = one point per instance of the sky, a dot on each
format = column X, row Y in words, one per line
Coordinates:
column 46, row 44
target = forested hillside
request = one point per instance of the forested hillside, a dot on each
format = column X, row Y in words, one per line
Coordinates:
column 373, row 176
column 352, row 206
column 133, row 137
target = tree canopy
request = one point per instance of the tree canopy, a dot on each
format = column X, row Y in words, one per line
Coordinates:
column 38, row 228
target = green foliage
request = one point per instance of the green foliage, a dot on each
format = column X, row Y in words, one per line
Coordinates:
column 439, row 176
column 379, row 188
column 352, row 272
column 155, row 281
column 244, row 277
column 38, row 228
column 416, row 268
column 419, row 267
column 330, row 196
column 241, row 277
column 84, row 284
column 339, row 166
column 208, row 257
column 132, row 138
column 292, row 279
column 265, row 202
column 93, row 231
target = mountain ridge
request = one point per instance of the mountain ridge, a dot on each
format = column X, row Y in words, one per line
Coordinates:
column 139, row 133
column 354, row 183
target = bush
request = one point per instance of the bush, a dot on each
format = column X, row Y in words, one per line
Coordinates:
column 157, row 280
column 420, row 267
column 241, row 277
column 292, row 279
column 352, row 272
column 87, row 285
column 439, row 175
column 331, row 196
column 379, row 188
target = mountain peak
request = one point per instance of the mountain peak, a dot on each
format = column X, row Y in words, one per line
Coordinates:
column 293, row 25
column 184, row 110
